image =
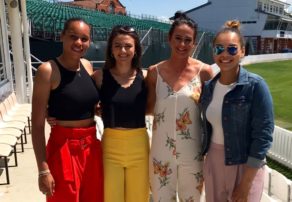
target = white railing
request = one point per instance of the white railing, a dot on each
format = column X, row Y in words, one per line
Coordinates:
column 281, row 150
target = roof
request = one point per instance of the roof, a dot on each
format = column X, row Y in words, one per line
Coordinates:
column 196, row 8
column 101, row 1
column 199, row 7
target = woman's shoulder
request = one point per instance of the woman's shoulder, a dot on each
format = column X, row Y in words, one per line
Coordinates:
column 87, row 65
column 97, row 76
column 205, row 70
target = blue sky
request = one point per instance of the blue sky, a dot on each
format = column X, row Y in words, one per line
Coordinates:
column 163, row 8
column 159, row 8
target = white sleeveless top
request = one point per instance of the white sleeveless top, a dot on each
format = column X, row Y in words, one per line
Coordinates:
column 176, row 125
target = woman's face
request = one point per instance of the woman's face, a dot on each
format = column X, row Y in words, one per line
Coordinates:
column 182, row 41
column 228, row 51
column 76, row 39
column 123, row 48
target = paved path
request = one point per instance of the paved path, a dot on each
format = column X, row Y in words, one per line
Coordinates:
column 23, row 185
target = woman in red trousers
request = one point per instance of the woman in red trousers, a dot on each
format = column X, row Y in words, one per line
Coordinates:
column 70, row 166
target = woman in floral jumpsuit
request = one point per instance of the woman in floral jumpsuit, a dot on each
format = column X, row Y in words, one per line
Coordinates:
column 174, row 89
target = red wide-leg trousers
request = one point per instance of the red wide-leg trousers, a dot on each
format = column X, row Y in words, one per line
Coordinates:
column 75, row 160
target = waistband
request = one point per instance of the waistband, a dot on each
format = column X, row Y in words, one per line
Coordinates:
column 68, row 142
column 72, row 133
column 128, row 132
column 215, row 146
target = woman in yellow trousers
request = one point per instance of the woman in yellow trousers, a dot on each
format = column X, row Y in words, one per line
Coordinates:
column 125, row 140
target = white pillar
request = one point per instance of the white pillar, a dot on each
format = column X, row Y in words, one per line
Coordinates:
column 17, row 50
column 26, row 48
column 4, row 38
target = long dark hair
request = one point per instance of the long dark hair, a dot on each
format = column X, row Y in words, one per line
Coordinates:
column 110, row 61
column 179, row 19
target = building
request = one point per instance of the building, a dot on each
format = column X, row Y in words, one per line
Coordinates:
column 266, row 24
column 106, row 6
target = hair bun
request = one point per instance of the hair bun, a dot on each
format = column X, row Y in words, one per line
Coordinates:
column 180, row 15
column 234, row 24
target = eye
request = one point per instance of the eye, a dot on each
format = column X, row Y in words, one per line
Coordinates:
column 128, row 46
column 84, row 39
column 117, row 46
column 74, row 37
column 187, row 41
column 178, row 38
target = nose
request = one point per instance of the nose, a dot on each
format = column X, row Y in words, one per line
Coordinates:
column 78, row 41
column 123, row 48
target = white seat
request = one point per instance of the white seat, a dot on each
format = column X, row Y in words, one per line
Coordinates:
column 5, row 151
column 22, row 107
column 12, row 141
column 280, row 186
column 267, row 198
column 13, row 132
column 8, row 139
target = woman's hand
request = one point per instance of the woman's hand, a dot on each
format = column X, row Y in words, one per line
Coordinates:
column 52, row 121
column 47, row 184
column 98, row 110
column 240, row 194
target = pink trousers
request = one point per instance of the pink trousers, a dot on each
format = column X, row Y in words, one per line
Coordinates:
column 221, row 180
column 75, row 161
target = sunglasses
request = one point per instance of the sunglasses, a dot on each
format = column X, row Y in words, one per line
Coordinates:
column 126, row 29
column 231, row 50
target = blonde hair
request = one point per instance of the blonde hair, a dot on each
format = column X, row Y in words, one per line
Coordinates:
column 231, row 26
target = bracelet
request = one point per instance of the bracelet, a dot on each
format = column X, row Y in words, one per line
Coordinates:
column 44, row 172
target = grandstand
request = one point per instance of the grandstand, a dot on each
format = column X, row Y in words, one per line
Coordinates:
column 47, row 20
column 50, row 17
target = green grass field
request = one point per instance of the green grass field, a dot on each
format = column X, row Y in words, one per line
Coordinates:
column 278, row 76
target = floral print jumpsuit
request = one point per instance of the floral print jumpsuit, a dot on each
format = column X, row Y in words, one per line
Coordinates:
column 175, row 160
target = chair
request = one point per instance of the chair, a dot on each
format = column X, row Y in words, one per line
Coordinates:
column 13, row 101
column 14, row 132
column 5, row 152
column 13, row 124
column 11, row 115
column 280, row 186
column 267, row 198
column 12, row 141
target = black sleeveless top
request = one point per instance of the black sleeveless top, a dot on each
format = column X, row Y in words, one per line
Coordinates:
column 123, row 107
column 75, row 97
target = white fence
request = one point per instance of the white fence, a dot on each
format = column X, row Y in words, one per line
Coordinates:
column 281, row 150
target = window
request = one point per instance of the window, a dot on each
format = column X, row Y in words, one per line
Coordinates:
column 260, row 4
column 265, row 7
column 3, row 75
column 112, row 8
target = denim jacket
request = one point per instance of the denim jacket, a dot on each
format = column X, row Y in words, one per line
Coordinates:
column 247, row 120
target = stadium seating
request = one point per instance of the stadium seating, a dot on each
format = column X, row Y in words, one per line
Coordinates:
column 50, row 17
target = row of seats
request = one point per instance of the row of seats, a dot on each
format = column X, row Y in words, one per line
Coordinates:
column 277, row 187
column 15, row 123
column 51, row 17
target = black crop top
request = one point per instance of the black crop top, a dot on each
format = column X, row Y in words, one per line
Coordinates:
column 123, row 107
column 75, row 97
